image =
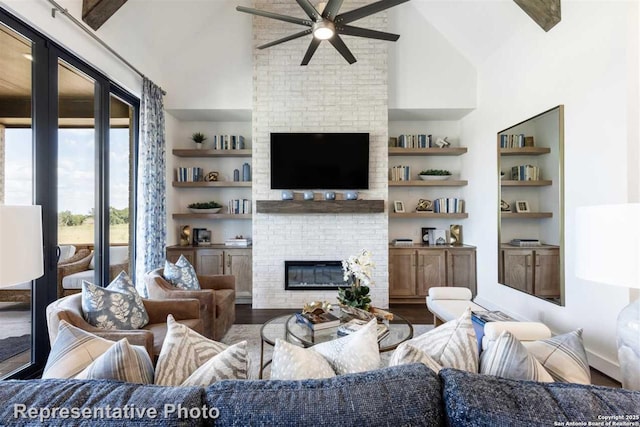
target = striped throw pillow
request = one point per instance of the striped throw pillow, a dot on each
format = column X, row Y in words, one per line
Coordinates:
column 452, row 345
column 564, row 357
column 123, row 362
column 185, row 351
column 406, row 354
column 508, row 358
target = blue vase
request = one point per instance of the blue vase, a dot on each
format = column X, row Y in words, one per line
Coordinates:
column 287, row 195
column 246, row 172
column 351, row 195
column 308, row 195
column 330, row 195
column 236, row 175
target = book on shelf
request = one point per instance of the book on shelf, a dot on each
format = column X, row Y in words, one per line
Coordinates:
column 318, row 321
column 492, row 316
column 402, row 242
column 525, row 173
column 239, row 207
column 228, row 142
column 189, row 174
column 240, row 242
column 448, row 205
column 414, row 141
column 354, row 325
column 514, row 141
column 525, row 242
column 400, row 173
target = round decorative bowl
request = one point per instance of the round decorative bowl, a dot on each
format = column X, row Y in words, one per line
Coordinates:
column 434, row 177
column 212, row 210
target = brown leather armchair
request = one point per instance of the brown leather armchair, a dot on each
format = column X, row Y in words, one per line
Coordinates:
column 151, row 336
column 80, row 264
column 217, row 298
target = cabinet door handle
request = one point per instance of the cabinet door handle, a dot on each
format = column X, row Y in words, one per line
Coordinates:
column 528, row 260
column 229, row 261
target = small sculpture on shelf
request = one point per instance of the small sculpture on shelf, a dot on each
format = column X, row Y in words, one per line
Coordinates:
column 211, row 176
column 442, row 142
column 424, row 205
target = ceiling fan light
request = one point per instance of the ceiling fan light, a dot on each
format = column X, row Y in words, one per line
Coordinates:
column 324, row 30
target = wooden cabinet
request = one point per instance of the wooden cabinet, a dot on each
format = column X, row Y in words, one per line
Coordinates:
column 412, row 271
column 220, row 259
column 532, row 270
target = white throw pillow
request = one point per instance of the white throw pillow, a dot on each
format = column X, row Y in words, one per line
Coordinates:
column 452, row 345
column 564, row 357
column 508, row 358
column 184, row 351
column 357, row 352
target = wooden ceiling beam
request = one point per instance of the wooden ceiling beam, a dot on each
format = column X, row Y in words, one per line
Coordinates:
column 545, row 13
column 97, row 12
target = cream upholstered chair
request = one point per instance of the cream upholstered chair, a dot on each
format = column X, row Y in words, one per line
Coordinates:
column 447, row 303
column 217, row 299
column 151, row 336
column 71, row 274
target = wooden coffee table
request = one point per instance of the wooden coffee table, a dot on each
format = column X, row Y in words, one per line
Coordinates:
column 286, row 328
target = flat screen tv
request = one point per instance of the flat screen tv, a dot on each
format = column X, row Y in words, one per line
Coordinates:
column 314, row 161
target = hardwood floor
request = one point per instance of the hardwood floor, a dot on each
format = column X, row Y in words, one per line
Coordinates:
column 417, row 314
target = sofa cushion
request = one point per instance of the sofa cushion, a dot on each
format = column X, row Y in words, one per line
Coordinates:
column 356, row 352
column 94, row 396
column 482, row 400
column 452, row 345
column 508, row 358
column 181, row 274
column 124, row 362
column 407, row 395
column 564, row 357
column 118, row 306
column 184, row 351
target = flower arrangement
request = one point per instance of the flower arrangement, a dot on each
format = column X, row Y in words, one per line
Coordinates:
column 358, row 272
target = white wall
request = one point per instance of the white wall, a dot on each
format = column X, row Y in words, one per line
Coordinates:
column 583, row 64
column 425, row 70
column 328, row 95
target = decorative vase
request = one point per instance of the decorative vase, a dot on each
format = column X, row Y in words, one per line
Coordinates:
column 355, row 295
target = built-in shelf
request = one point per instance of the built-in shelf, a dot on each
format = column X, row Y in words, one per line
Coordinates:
column 211, row 153
column 524, row 215
column 432, row 151
column 209, row 216
column 208, row 184
column 420, row 183
column 319, row 206
column 538, row 183
column 524, row 151
column 427, row 215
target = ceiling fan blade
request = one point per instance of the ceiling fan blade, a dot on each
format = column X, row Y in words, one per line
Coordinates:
column 285, row 39
column 331, row 9
column 313, row 46
column 364, row 32
column 309, row 9
column 364, row 11
column 277, row 16
column 337, row 42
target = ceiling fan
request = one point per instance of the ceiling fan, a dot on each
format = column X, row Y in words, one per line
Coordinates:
column 326, row 24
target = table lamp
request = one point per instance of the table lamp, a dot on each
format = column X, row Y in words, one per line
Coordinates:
column 608, row 252
column 20, row 244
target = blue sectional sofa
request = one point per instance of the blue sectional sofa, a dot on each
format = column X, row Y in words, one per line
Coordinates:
column 409, row 395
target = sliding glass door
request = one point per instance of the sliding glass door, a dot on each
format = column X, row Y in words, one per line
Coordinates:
column 68, row 140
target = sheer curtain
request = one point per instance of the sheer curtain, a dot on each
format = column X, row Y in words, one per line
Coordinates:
column 151, row 210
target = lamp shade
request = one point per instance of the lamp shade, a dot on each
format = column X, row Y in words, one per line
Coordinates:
column 608, row 244
column 20, row 244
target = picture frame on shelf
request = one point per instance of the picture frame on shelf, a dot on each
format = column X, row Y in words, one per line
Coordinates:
column 522, row 206
column 398, row 206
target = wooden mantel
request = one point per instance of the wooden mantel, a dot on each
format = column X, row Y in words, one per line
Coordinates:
column 319, row 206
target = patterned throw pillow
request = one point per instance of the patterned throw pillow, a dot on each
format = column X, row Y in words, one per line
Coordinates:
column 564, row 357
column 181, row 274
column 73, row 350
column 508, row 358
column 118, row 306
column 123, row 362
column 357, row 352
column 406, row 354
column 452, row 345
column 79, row 354
column 184, row 351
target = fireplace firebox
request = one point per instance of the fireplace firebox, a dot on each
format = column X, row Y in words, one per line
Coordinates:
column 313, row 275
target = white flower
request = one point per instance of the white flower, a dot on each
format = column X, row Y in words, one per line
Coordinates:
column 359, row 267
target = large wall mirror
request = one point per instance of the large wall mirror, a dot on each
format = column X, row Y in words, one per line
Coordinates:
column 531, row 212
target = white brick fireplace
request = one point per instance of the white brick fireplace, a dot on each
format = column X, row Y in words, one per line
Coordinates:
column 328, row 95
